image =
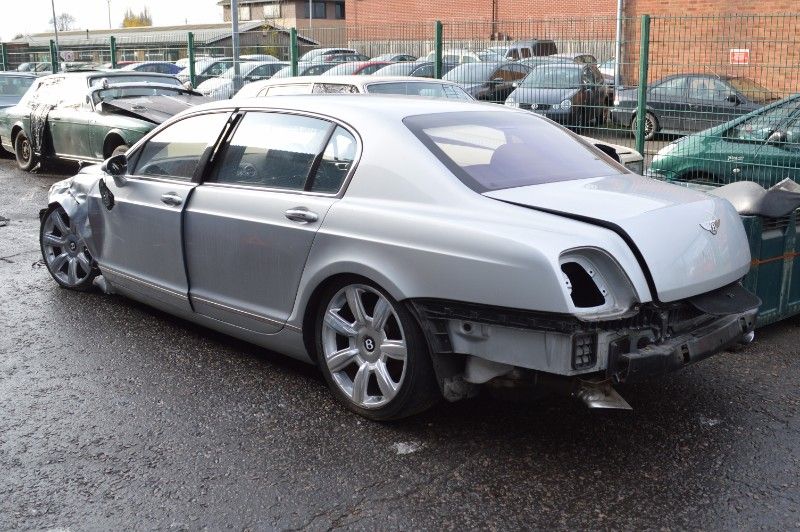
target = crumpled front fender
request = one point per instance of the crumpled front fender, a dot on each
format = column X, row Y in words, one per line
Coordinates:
column 73, row 195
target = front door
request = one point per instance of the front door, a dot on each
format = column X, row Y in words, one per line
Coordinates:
column 140, row 235
column 251, row 224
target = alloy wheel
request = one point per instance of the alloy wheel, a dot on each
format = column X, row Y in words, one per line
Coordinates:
column 64, row 251
column 364, row 346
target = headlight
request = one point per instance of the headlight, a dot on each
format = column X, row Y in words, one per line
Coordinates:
column 565, row 104
column 637, row 167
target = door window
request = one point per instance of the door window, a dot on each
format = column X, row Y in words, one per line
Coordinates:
column 708, row 89
column 218, row 68
column 336, row 162
column 272, row 150
column 673, row 89
column 175, row 152
column 280, row 90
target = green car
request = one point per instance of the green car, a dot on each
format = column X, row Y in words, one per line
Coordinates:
column 89, row 116
column 762, row 146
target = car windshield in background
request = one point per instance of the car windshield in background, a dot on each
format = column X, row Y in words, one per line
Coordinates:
column 133, row 77
column 115, row 93
column 470, row 73
column 752, row 90
column 14, row 85
column 428, row 90
column 494, row 151
column 553, row 77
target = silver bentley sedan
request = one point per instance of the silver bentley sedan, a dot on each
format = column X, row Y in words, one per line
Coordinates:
column 412, row 249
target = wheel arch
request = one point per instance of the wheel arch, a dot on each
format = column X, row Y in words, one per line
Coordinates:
column 113, row 138
column 650, row 110
column 15, row 130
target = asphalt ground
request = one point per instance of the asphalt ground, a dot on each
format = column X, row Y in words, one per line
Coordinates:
column 116, row 416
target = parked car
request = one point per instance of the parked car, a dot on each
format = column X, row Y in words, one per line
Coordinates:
column 318, row 54
column 61, row 118
column 206, row 69
column 538, row 259
column 304, row 69
column 577, row 57
column 163, row 67
column 355, row 84
column 686, row 103
column 361, row 68
column 420, row 69
column 762, row 146
column 13, row 86
column 491, row 82
column 26, row 67
column 184, row 62
column 455, row 56
column 222, row 88
column 394, row 58
column 516, row 50
column 571, row 94
column 261, row 58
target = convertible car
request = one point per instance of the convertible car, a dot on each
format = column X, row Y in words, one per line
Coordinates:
column 88, row 117
column 411, row 248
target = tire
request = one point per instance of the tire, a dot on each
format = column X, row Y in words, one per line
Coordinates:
column 122, row 148
column 650, row 125
column 379, row 384
column 64, row 252
column 23, row 150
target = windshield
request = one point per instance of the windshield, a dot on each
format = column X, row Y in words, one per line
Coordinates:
column 14, row 85
column 752, row 90
column 471, row 73
column 490, row 150
column 549, row 77
column 114, row 93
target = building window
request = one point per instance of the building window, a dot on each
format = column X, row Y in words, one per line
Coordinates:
column 272, row 11
column 319, row 9
column 338, row 10
column 244, row 12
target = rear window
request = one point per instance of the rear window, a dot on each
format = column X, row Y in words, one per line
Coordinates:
column 498, row 150
column 135, row 77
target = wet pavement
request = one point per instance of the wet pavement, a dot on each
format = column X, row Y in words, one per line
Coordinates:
column 114, row 415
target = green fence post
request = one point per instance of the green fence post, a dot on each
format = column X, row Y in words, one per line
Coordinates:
column 644, row 58
column 53, row 56
column 293, row 50
column 192, row 73
column 113, row 52
column 437, row 46
column 4, row 56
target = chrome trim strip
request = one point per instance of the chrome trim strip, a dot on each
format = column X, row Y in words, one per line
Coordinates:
column 235, row 310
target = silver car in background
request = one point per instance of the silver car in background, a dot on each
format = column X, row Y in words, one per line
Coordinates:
column 411, row 248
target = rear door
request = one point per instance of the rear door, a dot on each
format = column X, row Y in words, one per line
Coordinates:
column 669, row 101
column 708, row 103
column 140, row 236
column 249, row 227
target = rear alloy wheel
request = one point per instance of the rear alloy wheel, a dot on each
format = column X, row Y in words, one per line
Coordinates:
column 119, row 150
column 372, row 353
column 650, row 126
column 23, row 149
column 65, row 253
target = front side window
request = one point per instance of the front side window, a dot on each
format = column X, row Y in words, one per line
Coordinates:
column 218, row 68
column 175, row 152
column 493, row 151
column 272, row 150
column 708, row 89
column 760, row 127
column 283, row 90
column 673, row 89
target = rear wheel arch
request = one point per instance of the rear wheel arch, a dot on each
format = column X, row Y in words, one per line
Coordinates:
column 14, row 132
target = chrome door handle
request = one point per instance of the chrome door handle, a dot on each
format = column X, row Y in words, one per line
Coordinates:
column 170, row 198
column 302, row 215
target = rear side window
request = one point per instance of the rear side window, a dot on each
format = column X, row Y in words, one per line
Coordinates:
column 337, row 159
column 272, row 150
column 176, row 151
column 282, row 90
column 493, row 151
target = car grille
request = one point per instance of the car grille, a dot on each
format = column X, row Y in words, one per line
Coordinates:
column 535, row 106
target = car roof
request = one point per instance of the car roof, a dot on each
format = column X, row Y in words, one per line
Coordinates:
column 357, row 108
column 18, row 74
column 358, row 81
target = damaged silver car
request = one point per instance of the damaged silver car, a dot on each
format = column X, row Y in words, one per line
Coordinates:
column 88, row 117
column 413, row 249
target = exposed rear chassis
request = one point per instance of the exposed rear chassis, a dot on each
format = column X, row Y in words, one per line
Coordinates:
column 657, row 340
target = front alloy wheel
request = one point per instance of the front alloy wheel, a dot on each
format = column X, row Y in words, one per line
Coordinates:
column 372, row 353
column 23, row 150
column 65, row 253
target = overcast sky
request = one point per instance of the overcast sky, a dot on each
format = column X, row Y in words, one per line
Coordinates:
column 32, row 16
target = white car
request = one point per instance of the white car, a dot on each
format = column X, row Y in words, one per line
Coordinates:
column 456, row 56
column 411, row 248
column 222, row 88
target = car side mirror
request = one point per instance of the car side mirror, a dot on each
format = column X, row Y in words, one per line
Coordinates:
column 777, row 138
column 733, row 99
column 116, row 167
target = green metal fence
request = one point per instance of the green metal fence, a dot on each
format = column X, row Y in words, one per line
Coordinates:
column 714, row 92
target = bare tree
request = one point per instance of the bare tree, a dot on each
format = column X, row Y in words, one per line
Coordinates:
column 64, row 22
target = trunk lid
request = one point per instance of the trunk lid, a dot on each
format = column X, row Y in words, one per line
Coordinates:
column 155, row 109
column 690, row 242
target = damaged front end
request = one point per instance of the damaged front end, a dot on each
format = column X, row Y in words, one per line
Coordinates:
column 476, row 344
